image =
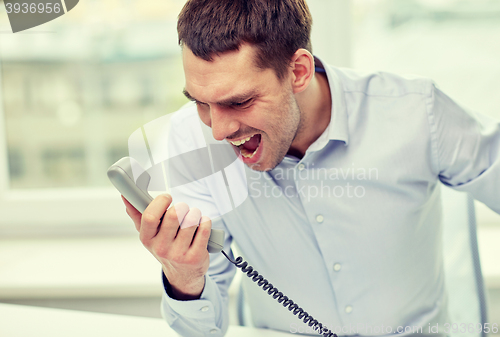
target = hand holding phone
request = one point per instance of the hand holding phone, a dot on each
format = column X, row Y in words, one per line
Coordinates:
column 172, row 234
column 136, row 193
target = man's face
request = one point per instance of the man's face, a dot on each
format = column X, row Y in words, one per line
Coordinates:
column 242, row 103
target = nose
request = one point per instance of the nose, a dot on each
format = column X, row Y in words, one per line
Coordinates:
column 222, row 123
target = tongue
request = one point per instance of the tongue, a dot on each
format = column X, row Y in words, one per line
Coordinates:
column 252, row 144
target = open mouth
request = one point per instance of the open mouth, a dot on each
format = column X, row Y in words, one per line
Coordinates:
column 249, row 146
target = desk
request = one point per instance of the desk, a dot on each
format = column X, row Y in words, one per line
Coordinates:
column 25, row 321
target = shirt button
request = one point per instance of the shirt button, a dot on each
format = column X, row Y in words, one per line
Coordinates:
column 348, row 309
column 319, row 218
column 213, row 331
column 204, row 309
column 337, row 266
column 301, row 167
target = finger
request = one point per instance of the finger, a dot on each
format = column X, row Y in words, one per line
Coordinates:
column 181, row 210
column 192, row 218
column 150, row 220
column 134, row 214
column 200, row 242
column 171, row 222
column 189, row 225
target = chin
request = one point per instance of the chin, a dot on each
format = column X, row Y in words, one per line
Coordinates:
column 263, row 167
column 257, row 167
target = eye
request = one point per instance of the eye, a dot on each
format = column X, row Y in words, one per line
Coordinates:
column 242, row 104
column 200, row 104
column 192, row 99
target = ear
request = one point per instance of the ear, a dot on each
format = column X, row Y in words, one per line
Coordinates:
column 302, row 65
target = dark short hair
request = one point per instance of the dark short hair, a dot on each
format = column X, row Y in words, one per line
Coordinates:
column 276, row 27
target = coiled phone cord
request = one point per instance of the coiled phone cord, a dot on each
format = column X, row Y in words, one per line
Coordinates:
column 278, row 296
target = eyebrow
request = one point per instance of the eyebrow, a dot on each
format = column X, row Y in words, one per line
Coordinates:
column 236, row 99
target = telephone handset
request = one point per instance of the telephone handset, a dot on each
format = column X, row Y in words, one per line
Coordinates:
column 121, row 175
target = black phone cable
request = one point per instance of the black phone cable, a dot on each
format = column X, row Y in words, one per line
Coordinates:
column 278, row 296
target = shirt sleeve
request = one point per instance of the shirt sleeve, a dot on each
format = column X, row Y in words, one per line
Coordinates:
column 466, row 149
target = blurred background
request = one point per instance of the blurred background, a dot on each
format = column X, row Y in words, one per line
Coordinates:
column 73, row 90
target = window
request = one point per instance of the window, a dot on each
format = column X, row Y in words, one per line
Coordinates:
column 450, row 41
column 71, row 93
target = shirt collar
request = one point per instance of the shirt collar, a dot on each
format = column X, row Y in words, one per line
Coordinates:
column 337, row 129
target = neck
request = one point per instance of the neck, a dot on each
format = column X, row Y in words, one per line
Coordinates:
column 315, row 104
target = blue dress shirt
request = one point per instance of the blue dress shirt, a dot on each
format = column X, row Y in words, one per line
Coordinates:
column 352, row 231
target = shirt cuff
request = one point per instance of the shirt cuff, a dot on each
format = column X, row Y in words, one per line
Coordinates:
column 199, row 309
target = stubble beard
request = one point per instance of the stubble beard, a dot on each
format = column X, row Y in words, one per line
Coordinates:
column 288, row 128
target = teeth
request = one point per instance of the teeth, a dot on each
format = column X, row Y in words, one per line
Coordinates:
column 240, row 142
column 245, row 153
column 248, row 155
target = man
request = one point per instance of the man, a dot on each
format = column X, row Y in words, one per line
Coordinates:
column 343, row 210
